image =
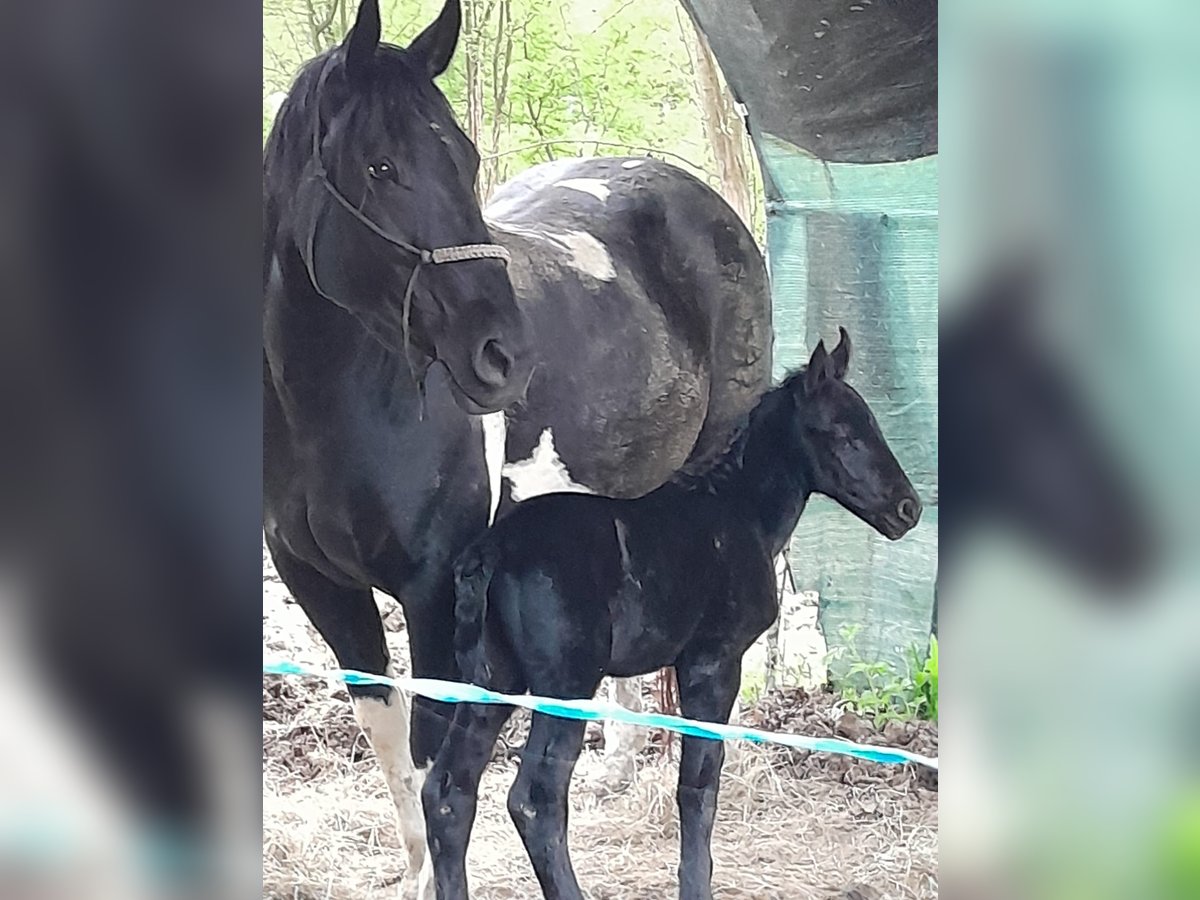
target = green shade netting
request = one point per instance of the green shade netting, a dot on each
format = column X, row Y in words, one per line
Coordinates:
column 857, row 245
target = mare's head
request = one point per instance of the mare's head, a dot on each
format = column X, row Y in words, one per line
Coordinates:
column 844, row 452
column 381, row 175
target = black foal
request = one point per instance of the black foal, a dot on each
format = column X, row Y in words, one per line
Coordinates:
column 570, row 588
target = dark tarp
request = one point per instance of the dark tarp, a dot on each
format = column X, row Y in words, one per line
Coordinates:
column 841, row 102
column 848, row 81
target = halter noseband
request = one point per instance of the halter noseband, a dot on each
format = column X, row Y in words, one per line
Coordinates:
column 435, row 257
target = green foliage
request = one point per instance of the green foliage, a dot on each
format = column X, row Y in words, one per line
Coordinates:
column 753, row 684
column 552, row 78
column 882, row 693
column 926, row 679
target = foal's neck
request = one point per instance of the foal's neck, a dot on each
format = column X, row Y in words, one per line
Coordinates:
column 769, row 482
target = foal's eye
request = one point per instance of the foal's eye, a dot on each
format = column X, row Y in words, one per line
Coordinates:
column 382, row 170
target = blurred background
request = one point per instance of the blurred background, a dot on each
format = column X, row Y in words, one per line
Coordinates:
column 1069, row 606
column 1070, row 609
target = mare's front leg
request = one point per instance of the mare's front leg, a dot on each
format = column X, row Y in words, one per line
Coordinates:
column 348, row 620
column 429, row 617
column 708, row 687
column 538, row 801
column 452, row 790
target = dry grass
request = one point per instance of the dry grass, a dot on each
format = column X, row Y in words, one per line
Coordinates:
column 788, row 827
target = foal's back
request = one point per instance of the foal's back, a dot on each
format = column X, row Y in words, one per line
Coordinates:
column 572, row 587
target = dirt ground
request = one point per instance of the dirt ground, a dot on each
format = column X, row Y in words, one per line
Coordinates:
column 790, row 825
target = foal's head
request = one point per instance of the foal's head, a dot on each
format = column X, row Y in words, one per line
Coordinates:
column 382, row 172
column 843, row 449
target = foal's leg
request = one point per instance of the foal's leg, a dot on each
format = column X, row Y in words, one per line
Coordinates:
column 708, row 687
column 452, row 789
column 538, row 801
column 348, row 620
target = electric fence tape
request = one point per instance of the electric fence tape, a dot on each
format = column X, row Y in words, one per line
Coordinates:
column 594, row 710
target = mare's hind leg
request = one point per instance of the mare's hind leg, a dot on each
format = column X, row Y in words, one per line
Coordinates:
column 708, row 687
column 452, row 790
column 348, row 620
column 538, row 801
column 622, row 742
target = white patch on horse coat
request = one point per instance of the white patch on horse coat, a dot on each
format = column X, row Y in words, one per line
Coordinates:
column 623, row 546
column 386, row 726
column 632, row 163
column 495, row 432
column 585, row 252
column 593, row 186
column 542, row 473
column 589, row 255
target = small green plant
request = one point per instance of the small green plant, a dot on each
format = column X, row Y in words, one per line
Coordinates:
column 753, row 684
column 926, row 679
column 880, row 692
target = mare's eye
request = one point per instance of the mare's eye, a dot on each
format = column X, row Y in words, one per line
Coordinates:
column 382, row 170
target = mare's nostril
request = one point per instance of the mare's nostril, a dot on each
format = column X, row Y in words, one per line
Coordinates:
column 493, row 364
column 908, row 510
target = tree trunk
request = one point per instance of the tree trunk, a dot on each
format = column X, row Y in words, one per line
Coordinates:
column 501, row 61
column 472, row 45
column 724, row 128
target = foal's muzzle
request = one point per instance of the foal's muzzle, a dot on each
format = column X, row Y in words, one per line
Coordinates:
column 902, row 518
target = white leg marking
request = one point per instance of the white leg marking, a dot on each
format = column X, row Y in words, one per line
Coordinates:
column 542, row 473
column 386, row 726
column 622, row 743
column 495, row 430
column 594, row 186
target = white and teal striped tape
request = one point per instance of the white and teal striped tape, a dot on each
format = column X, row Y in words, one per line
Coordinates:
column 594, row 710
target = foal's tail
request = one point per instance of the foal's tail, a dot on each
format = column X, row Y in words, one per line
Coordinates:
column 472, row 574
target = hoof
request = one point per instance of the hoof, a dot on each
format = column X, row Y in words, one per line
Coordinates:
column 611, row 781
column 424, row 884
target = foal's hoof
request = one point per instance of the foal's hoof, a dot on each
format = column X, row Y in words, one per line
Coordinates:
column 411, row 889
column 418, row 885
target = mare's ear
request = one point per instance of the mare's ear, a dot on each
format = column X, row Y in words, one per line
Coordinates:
column 433, row 48
column 361, row 42
column 839, row 359
column 818, row 365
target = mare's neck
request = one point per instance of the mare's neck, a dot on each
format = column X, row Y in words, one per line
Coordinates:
column 771, row 481
column 323, row 359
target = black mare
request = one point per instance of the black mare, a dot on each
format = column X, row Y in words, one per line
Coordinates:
column 568, row 589
column 639, row 332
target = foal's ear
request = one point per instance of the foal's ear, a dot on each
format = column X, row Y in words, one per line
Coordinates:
column 818, row 366
column 839, row 359
column 434, row 47
column 362, row 40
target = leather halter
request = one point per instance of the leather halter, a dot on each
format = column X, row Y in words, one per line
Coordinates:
column 424, row 256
